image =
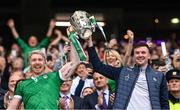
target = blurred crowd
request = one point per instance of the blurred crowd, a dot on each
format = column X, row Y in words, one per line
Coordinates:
column 86, row 86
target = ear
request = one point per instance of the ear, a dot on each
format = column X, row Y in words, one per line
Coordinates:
column 149, row 56
column 107, row 80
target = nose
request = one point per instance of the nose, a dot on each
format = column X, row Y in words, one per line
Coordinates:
column 98, row 80
column 174, row 82
column 139, row 53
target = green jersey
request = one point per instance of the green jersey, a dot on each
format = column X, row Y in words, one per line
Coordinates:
column 41, row 92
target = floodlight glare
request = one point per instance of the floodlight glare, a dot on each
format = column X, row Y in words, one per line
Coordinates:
column 174, row 20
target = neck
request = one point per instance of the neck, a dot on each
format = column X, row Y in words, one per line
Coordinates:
column 65, row 93
column 11, row 93
column 103, row 89
column 36, row 74
column 176, row 94
column 143, row 66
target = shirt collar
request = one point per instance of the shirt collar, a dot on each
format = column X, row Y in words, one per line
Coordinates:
column 106, row 91
column 62, row 95
column 173, row 99
column 143, row 69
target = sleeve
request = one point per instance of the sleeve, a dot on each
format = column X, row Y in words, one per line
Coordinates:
column 59, row 78
column 18, row 91
column 97, row 107
column 44, row 42
column 164, row 94
column 22, row 44
column 106, row 70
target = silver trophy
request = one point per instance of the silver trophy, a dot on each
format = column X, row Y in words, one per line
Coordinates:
column 81, row 23
column 84, row 24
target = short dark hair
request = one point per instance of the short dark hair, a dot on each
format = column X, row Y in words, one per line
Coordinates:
column 142, row 44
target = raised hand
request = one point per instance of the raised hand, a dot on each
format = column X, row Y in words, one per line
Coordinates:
column 52, row 23
column 69, row 30
column 11, row 23
column 66, row 48
column 89, row 41
column 130, row 34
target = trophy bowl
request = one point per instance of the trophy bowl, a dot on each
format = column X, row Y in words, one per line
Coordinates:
column 80, row 21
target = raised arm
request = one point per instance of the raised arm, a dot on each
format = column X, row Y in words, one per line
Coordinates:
column 106, row 70
column 129, row 47
column 11, row 25
column 59, row 37
column 51, row 27
column 68, row 69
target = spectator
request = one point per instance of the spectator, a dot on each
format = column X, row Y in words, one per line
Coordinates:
column 32, row 42
column 134, row 85
column 86, row 91
column 113, row 58
column 176, row 60
column 81, row 80
column 100, row 98
column 113, row 43
column 4, row 73
column 173, row 78
column 17, row 50
column 34, row 90
column 13, row 80
column 68, row 101
column 17, row 64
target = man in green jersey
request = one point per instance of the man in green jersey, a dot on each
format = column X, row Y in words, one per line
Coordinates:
column 41, row 90
column 33, row 43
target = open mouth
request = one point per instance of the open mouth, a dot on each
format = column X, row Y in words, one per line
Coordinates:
column 140, row 59
column 65, row 85
column 37, row 68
